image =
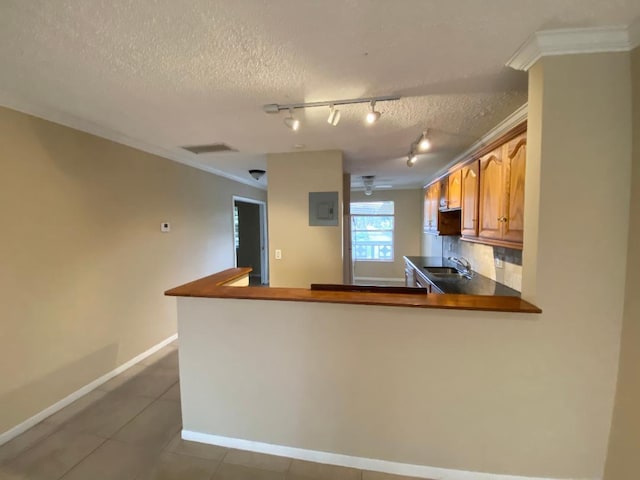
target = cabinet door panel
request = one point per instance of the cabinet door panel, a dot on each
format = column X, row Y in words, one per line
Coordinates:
column 491, row 195
column 434, row 204
column 469, row 181
column 455, row 189
column 444, row 193
column 425, row 211
column 514, row 183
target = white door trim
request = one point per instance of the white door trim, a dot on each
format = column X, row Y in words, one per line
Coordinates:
column 264, row 237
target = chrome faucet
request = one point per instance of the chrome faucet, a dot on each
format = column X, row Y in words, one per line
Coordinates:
column 464, row 264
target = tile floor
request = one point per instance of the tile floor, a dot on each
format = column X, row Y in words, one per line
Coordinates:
column 129, row 429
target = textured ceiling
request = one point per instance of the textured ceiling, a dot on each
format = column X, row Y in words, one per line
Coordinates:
column 168, row 73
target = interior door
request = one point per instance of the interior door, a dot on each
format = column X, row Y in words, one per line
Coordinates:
column 250, row 238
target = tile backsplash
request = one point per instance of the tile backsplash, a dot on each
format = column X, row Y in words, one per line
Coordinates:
column 483, row 260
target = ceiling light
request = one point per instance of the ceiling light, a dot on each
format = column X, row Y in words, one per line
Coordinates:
column 373, row 115
column 421, row 144
column 334, row 116
column 368, row 184
column 257, row 174
column 425, row 143
column 292, row 122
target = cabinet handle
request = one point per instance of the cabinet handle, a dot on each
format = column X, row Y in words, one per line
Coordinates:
column 502, row 219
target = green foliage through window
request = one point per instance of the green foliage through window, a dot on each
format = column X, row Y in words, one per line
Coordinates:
column 372, row 225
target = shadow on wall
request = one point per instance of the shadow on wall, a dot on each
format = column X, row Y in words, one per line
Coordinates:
column 19, row 404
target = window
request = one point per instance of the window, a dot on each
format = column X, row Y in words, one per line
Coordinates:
column 372, row 231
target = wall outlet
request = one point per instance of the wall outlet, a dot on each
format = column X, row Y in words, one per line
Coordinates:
column 278, row 254
column 499, row 262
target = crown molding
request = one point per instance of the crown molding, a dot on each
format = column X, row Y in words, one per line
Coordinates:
column 574, row 41
column 67, row 120
column 513, row 120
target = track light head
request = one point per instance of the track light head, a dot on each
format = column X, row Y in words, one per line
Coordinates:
column 425, row 143
column 412, row 158
column 373, row 115
column 292, row 122
column 334, row 116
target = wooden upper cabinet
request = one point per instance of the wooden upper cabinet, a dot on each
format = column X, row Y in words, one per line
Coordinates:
column 428, row 220
column 431, row 202
column 484, row 199
column 444, row 194
column 434, row 201
column 469, row 203
column 501, row 213
column 435, row 221
column 491, row 195
column 455, row 189
column 516, row 154
column 450, row 191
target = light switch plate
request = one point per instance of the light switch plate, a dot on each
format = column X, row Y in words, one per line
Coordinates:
column 165, row 227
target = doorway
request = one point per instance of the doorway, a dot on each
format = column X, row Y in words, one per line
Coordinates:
column 250, row 238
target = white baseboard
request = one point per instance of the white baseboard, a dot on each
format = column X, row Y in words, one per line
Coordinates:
column 38, row 417
column 385, row 466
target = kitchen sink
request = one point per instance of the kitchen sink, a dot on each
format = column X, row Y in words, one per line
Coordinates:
column 442, row 270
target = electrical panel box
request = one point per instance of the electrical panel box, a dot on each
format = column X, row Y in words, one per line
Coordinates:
column 323, row 209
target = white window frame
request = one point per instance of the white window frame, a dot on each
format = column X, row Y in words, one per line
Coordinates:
column 354, row 230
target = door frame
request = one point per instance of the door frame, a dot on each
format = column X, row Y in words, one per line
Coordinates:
column 264, row 236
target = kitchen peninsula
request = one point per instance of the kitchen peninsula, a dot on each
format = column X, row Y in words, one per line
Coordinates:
column 337, row 377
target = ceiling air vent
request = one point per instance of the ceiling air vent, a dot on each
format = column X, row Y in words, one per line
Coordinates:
column 211, row 148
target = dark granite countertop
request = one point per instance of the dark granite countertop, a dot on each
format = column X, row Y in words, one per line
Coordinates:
column 476, row 285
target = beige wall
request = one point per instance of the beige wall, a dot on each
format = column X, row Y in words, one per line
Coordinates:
column 503, row 393
column 309, row 254
column 83, row 264
column 408, row 228
column 579, row 153
column 623, row 462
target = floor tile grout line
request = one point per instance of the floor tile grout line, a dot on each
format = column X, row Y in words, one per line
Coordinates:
column 215, row 470
column 104, row 440
column 7, row 461
column 155, row 399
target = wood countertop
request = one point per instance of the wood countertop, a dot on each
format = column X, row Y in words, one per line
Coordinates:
column 213, row 286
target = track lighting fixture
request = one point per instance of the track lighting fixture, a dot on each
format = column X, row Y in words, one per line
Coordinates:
column 373, row 115
column 292, row 122
column 334, row 115
column 425, row 143
column 421, row 144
